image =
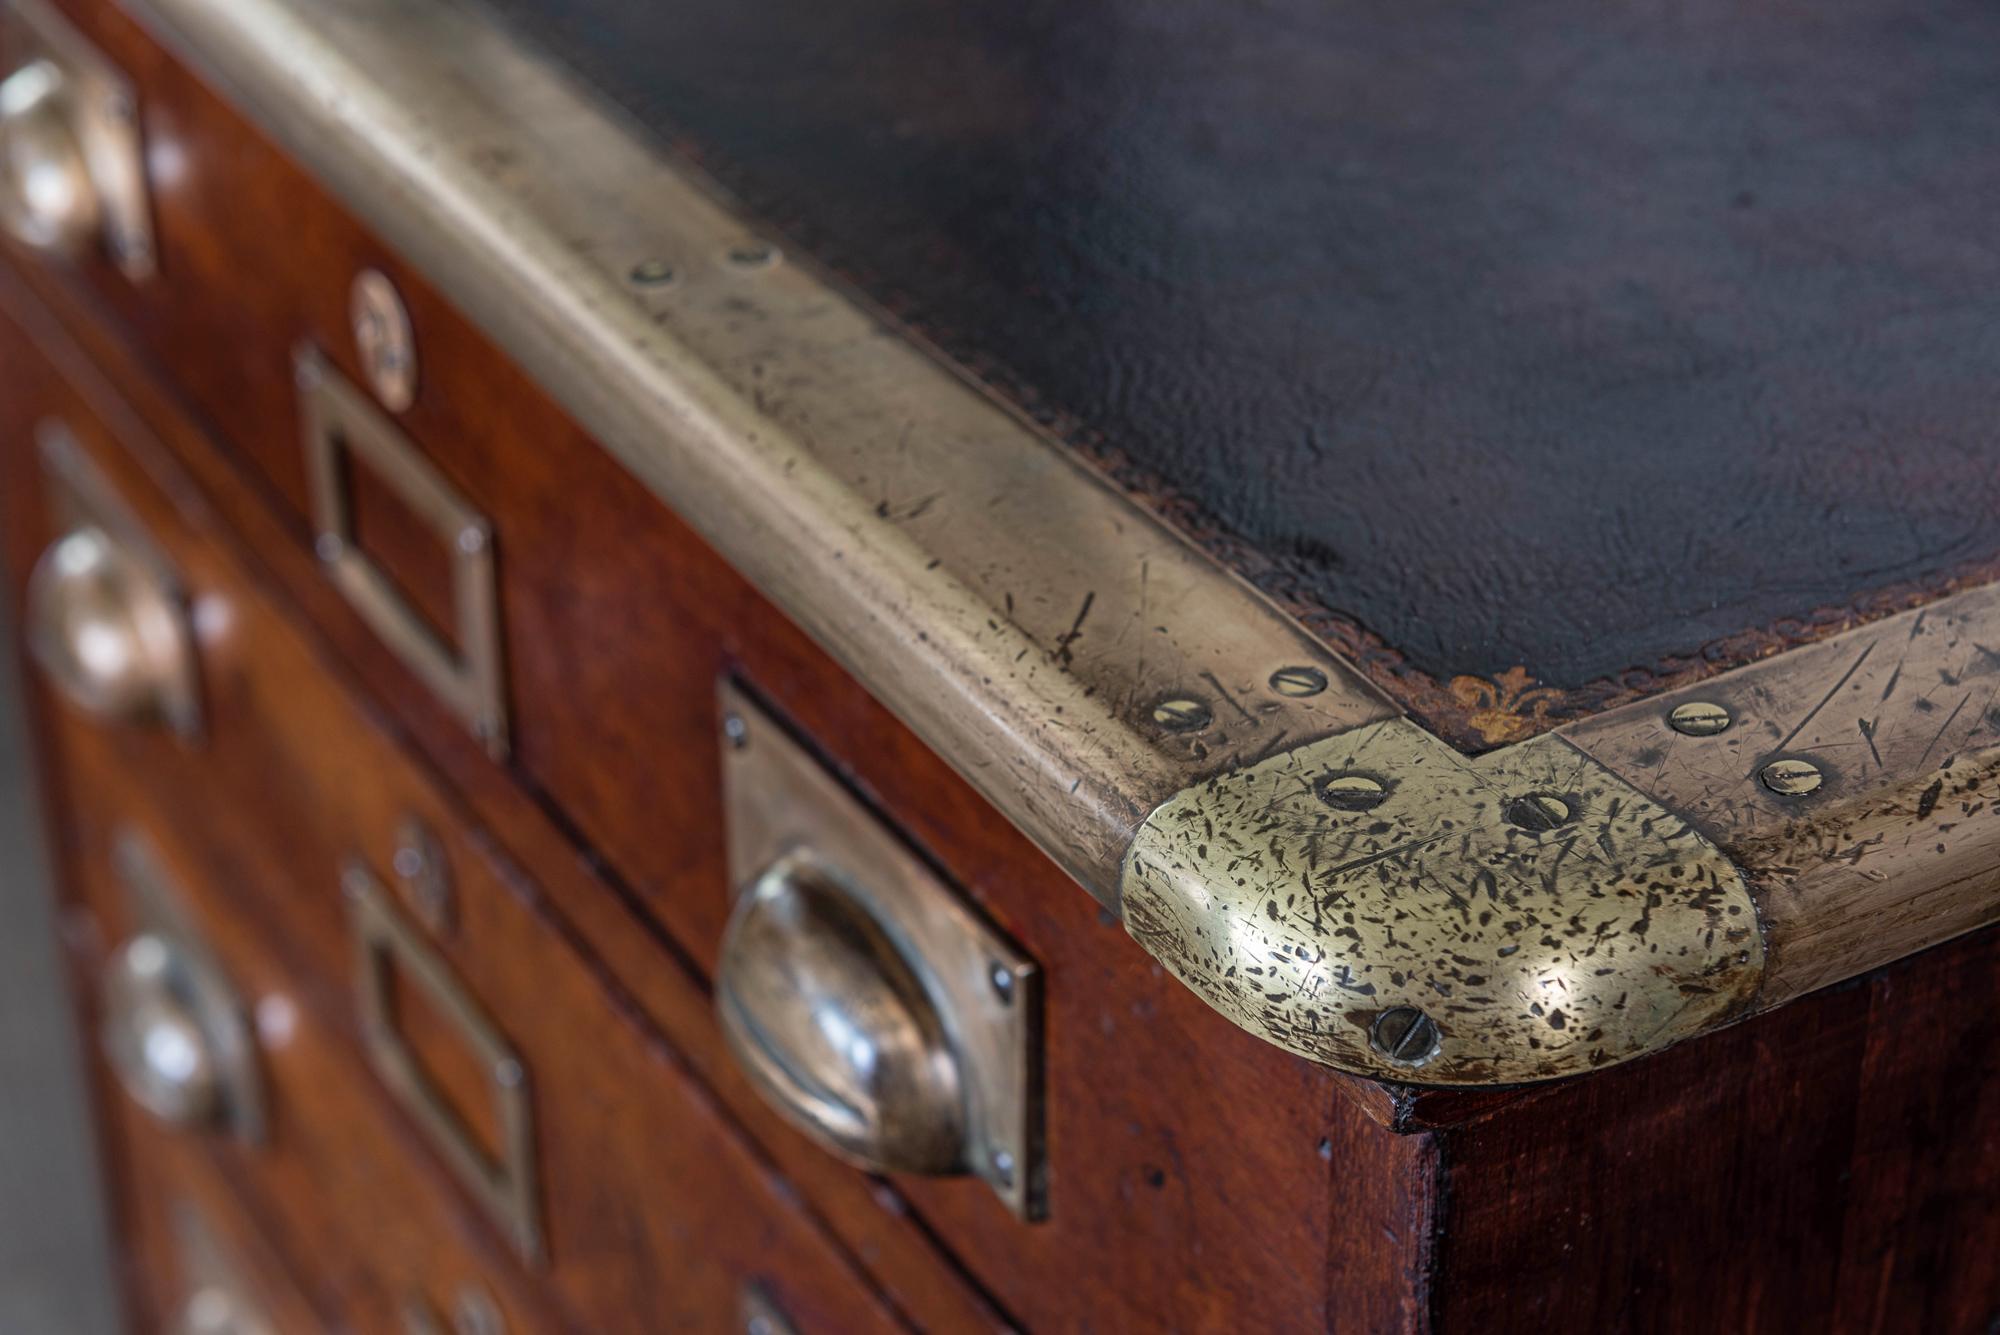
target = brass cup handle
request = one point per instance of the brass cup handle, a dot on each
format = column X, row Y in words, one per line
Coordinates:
column 48, row 199
column 832, row 1024
column 160, row 1033
column 106, row 628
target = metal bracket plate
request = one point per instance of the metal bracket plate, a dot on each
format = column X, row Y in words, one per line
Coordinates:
column 780, row 802
column 469, row 677
column 81, row 496
column 106, row 125
column 505, row 1181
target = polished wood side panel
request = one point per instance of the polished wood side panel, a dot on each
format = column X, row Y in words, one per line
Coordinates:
column 1831, row 1166
column 1170, row 1206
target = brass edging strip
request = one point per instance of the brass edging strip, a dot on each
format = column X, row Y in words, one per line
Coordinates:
column 1058, row 645
column 1113, row 691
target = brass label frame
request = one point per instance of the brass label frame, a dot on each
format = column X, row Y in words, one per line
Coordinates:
column 507, row 1185
column 337, row 419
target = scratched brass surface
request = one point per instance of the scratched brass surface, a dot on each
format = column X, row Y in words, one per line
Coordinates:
column 1898, row 848
column 1547, row 916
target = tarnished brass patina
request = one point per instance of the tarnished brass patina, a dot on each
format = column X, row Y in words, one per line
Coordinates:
column 106, row 618
column 869, row 1003
column 71, row 173
column 1271, row 827
column 1604, row 927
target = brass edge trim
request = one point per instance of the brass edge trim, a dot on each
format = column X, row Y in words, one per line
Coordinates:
column 1096, row 677
column 1031, row 623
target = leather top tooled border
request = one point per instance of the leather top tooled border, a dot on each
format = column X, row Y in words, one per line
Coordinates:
column 1324, row 871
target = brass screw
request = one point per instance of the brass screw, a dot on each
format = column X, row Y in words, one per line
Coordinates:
column 1405, row 1035
column 753, row 255
column 652, row 273
column 1792, row 778
column 1181, row 714
column 1539, row 812
column 1699, row 718
column 735, row 731
column 1349, row 791
column 1298, row 681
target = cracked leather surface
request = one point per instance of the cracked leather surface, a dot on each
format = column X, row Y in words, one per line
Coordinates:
column 1565, row 334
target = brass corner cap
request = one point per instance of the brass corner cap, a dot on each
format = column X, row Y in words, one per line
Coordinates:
column 1385, row 905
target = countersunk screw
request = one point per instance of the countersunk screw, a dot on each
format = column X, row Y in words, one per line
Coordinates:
column 1349, row 791
column 652, row 273
column 1792, row 778
column 1181, row 714
column 753, row 255
column 1699, row 718
column 1003, row 1167
column 1405, row 1035
column 735, row 731
column 1298, row 681
column 1539, row 813
column 1002, row 979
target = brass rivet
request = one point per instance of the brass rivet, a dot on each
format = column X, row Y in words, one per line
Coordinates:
column 1792, row 778
column 1348, row 791
column 1699, row 718
column 1405, row 1035
column 1181, row 714
column 1539, row 812
column 652, row 273
column 1298, row 681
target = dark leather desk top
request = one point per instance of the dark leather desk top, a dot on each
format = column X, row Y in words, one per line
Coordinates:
column 1573, row 336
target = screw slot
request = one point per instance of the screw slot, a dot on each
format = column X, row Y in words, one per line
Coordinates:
column 1405, row 1035
column 753, row 255
column 1351, row 791
column 1181, row 714
column 1792, row 778
column 1298, row 682
column 651, row 273
column 1539, row 813
column 1699, row 718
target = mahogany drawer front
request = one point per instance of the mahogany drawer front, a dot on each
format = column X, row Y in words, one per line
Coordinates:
column 648, row 1202
column 372, row 1230
column 617, row 623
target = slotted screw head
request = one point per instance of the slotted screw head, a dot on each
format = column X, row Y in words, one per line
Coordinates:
column 1349, row 791
column 1539, row 812
column 1298, row 682
column 1699, row 718
column 1181, row 714
column 1792, row 778
column 1406, row 1036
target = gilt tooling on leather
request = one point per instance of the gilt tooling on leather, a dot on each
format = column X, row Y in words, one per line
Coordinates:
column 1563, row 335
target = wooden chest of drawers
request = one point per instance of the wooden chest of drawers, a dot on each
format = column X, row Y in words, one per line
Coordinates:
column 569, row 820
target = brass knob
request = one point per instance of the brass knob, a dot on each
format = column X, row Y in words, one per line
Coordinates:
column 48, row 199
column 106, row 628
column 822, row 1010
column 159, row 1032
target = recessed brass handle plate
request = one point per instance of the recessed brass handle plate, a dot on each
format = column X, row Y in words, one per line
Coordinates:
column 468, row 675
column 173, row 1029
column 502, row 1180
column 107, row 618
column 869, row 1003
column 71, row 165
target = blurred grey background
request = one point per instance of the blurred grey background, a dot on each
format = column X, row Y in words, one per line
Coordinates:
column 55, row 1277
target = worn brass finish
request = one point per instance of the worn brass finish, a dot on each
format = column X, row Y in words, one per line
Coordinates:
column 866, row 1002
column 172, row 1028
column 106, row 619
column 71, row 171
column 1107, row 686
column 1539, row 948
column 467, row 673
column 502, row 1179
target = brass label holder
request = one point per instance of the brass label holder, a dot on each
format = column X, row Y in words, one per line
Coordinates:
column 504, row 1182
column 338, row 419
